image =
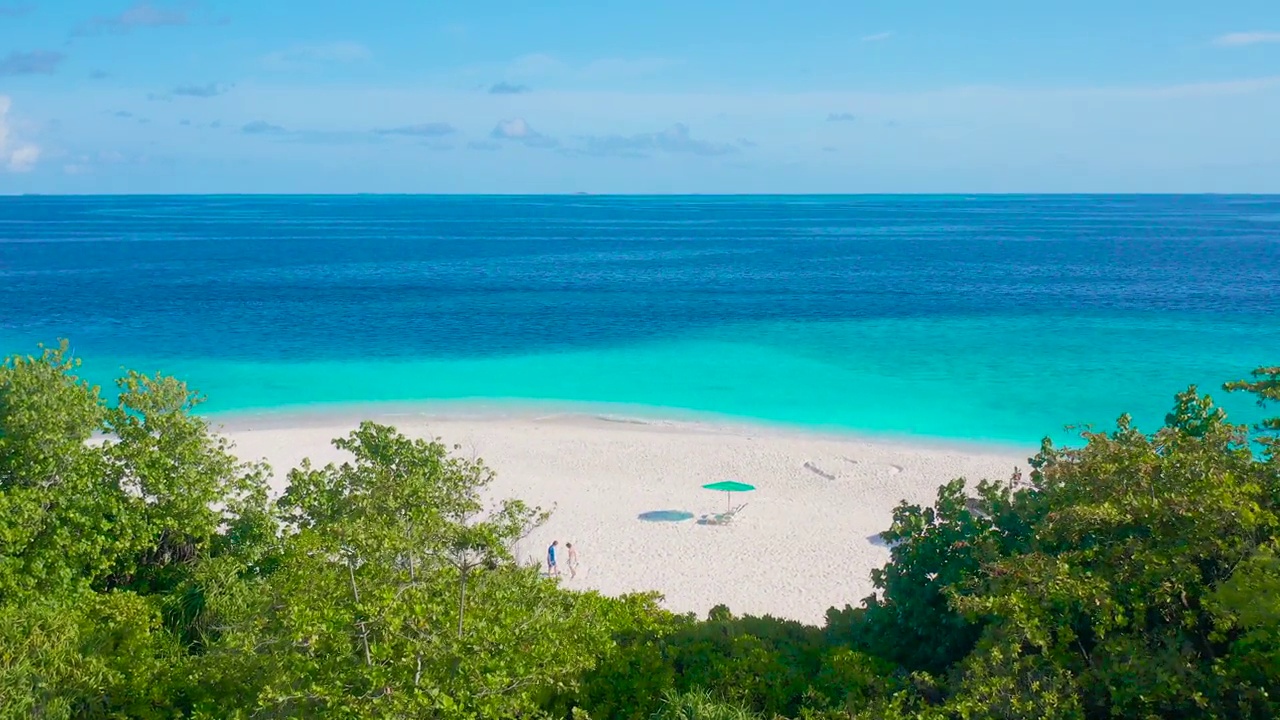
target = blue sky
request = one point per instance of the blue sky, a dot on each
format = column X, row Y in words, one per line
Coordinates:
column 652, row 97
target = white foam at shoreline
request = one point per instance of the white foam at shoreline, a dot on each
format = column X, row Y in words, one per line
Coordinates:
column 582, row 414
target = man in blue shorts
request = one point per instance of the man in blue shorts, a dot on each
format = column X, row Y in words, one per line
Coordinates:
column 551, row 559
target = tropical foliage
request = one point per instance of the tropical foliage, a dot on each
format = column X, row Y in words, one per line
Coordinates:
column 146, row 573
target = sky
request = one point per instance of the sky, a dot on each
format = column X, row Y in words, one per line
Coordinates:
column 751, row 96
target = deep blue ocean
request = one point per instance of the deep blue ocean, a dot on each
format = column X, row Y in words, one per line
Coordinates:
column 992, row 318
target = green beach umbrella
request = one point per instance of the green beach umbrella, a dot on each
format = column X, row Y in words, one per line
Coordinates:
column 728, row 487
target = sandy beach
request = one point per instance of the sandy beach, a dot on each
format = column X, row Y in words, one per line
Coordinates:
column 806, row 540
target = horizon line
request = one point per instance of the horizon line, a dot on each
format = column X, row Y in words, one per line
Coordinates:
column 650, row 195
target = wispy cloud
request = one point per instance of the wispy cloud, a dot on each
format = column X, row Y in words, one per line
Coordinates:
column 15, row 10
column 1246, row 38
column 36, row 62
column 506, row 88
column 206, row 90
column 1204, row 89
column 486, row 145
column 123, row 114
column 324, row 137
column 15, row 156
column 519, row 131
column 262, row 127
column 877, row 37
column 840, row 117
column 422, row 130
column 309, row 56
column 141, row 15
column 675, row 139
column 99, row 75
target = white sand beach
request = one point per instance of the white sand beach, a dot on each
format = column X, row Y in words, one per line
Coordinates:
column 806, row 540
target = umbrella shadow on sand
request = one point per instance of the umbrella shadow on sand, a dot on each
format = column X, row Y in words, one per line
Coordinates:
column 728, row 487
column 665, row 516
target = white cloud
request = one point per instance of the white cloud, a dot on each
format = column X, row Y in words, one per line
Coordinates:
column 942, row 134
column 514, row 129
column 877, row 37
column 517, row 130
column 23, row 159
column 15, row 156
column 1246, row 38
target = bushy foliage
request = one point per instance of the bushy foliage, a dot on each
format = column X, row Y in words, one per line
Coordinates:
column 1133, row 576
column 145, row 573
column 764, row 664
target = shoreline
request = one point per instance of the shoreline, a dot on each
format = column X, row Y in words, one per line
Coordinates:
column 627, row 492
column 587, row 414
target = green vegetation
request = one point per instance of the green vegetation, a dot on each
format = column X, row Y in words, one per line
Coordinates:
column 144, row 573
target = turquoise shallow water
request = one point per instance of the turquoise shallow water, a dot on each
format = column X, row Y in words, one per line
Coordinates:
column 989, row 319
column 1014, row 381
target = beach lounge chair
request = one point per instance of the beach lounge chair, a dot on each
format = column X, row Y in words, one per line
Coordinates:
column 721, row 518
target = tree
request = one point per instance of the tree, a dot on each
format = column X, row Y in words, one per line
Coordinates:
column 935, row 550
column 1265, row 387
column 397, row 594
column 102, row 536
column 1107, row 609
column 1130, row 577
column 144, row 574
column 58, row 515
column 86, row 655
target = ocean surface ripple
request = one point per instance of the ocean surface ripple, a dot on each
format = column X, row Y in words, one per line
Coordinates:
column 985, row 318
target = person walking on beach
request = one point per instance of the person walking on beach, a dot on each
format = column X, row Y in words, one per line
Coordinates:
column 572, row 559
column 551, row 559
